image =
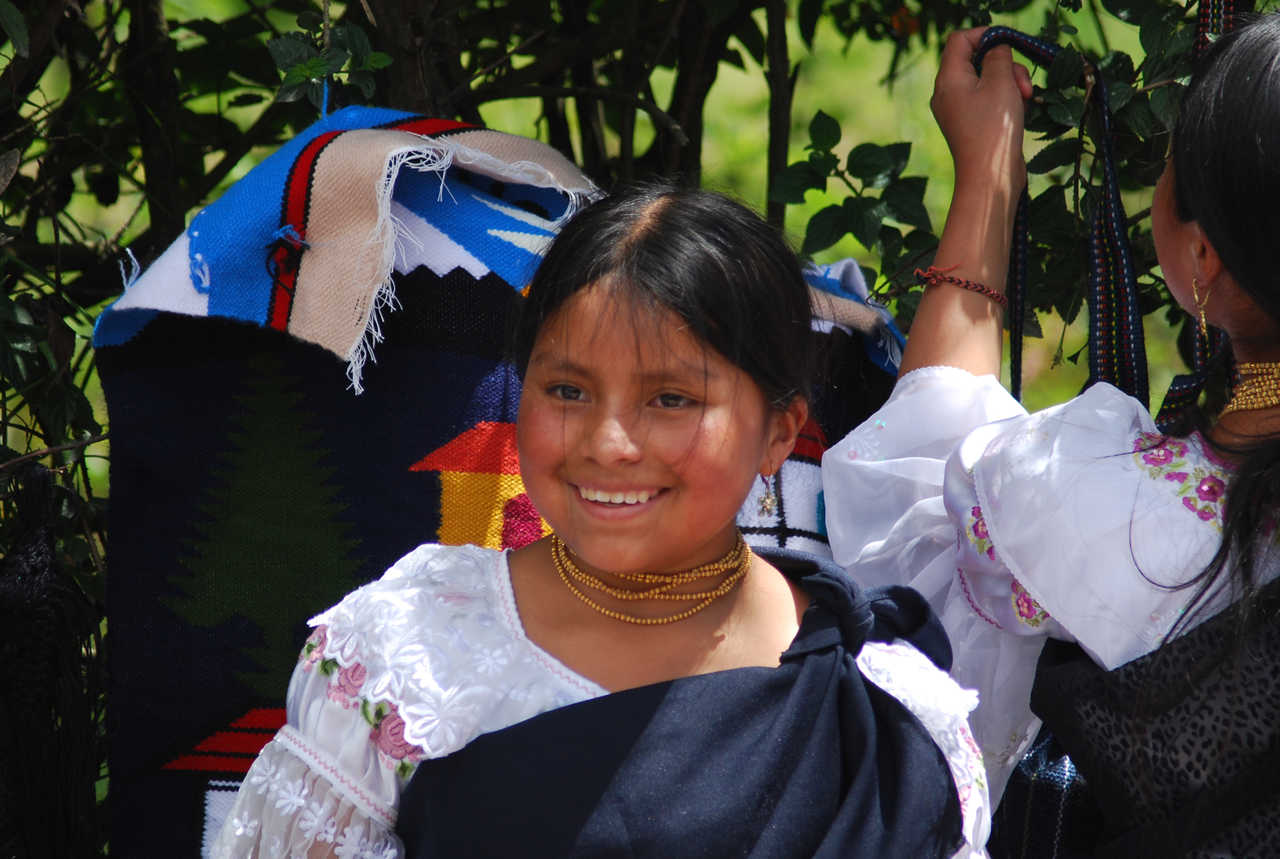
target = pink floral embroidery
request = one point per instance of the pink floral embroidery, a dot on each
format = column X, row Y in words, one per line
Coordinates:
column 313, row 650
column 388, row 736
column 1201, row 485
column 1210, row 488
column 979, row 536
column 1027, row 609
column 351, row 678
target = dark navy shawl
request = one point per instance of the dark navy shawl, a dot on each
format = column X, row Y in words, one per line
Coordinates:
column 807, row 759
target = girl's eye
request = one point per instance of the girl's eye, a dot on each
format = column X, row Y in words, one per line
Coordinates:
column 568, row 393
column 672, row 401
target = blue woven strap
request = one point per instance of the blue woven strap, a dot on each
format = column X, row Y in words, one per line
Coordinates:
column 1117, row 353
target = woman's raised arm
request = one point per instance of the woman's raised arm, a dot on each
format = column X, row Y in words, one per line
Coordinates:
column 981, row 119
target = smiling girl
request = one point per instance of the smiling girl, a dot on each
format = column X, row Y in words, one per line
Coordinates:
column 641, row 682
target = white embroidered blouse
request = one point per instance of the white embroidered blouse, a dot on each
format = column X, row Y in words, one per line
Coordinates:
column 422, row 661
column 1071, row 522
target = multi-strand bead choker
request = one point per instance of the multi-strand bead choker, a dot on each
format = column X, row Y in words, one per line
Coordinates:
column 1258, row 387
column 660, row 586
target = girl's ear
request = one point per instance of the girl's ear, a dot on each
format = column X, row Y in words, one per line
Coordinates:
column 784, row 427
column 1208, row 263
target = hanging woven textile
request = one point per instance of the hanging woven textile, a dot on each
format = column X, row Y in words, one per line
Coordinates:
column 1117, row 353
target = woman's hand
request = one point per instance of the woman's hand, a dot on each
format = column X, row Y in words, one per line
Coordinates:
column 981, row 116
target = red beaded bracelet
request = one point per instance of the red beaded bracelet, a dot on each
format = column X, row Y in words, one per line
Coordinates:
column 933, row 276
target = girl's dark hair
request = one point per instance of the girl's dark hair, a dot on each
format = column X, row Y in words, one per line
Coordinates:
column 1226, row 157
column 729, row 276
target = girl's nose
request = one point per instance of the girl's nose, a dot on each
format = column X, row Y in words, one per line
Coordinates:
column 612, row 438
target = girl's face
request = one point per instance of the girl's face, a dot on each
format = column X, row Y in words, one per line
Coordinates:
column 638, row 443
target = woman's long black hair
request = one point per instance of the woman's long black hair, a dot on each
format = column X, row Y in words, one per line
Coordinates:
column 1226, row 157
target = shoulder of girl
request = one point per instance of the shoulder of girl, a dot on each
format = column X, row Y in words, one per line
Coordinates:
column 428, row 570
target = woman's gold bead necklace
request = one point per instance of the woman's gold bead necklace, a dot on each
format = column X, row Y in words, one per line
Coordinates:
column 738, row 560
column 1258, row 387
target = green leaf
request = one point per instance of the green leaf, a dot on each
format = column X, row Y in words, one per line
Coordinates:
column 823, row 162
column 245, row 99
column 9, row 163
column 1164, row 104
column 905, row 200
column 365, row 82
column 290, row 50
column 864, row 216
column 1057, row 154
column 899, row 155
column 807, row 19
column 1065, row 70
column 11, row 21
column 794, row 180
column 291, row 92
column 1117, row 66
column 825, row 229
column 334, row 60
column 311, row 21
column 1064, row 111
column 1138, row 117
column 354, row 40
column 1118, row 94
column 379, row 60
column 824, row 131
column 871, row 163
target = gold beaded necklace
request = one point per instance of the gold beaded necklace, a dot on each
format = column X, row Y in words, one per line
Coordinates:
column 738, row 561
column 1258, row 387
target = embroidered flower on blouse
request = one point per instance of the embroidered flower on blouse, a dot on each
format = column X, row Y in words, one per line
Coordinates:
column 1026, row 608
column 345, row 686
column 291, row 796
column 313, row 650
column 1210, row 488
column 1200, row 486
column 978, row 534
column 315, row 825
column 388, row 736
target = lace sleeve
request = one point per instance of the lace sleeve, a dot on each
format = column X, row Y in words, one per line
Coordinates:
column 320, row 787
column 943, row 708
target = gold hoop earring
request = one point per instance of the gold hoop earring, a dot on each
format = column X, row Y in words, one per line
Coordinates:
column 1200, row 305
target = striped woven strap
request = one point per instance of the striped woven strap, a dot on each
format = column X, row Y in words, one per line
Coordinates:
column 1216, row 17
column 1116, row 350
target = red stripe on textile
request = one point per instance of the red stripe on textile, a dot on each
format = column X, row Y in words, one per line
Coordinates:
column 427, row 126
column 234, row 742
column 261, row 719
column 287, row 253
column 210, row 763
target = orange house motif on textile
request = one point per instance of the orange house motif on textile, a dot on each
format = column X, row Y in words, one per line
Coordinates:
column 482, row 498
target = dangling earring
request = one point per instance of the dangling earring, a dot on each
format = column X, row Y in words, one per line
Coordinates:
column 768, row 499
column 1200, row 304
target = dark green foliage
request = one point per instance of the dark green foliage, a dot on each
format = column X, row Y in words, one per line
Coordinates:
column 1144, row 93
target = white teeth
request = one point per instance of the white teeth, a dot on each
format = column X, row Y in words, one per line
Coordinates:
column 631, row 497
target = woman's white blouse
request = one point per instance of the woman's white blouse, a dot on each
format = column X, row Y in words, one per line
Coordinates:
column 1072, row 522
column 430, row 656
